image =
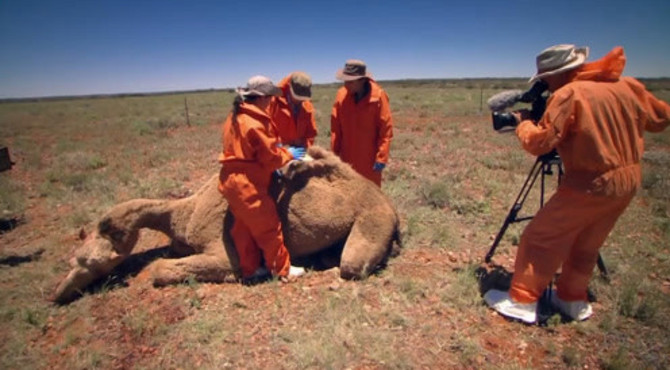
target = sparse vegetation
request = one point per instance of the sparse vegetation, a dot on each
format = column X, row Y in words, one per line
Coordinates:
column 451, row 177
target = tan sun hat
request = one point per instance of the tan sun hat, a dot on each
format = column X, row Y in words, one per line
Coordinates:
column 300, row 86
column 259, row 86
column 353, row 70
column 559, row 58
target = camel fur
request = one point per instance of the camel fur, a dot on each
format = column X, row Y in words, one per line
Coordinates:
column 323, row 205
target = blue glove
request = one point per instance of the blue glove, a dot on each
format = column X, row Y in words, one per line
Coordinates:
column 296, row 151
column 379, row 166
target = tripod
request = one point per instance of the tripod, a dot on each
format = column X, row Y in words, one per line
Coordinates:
column 543, row 166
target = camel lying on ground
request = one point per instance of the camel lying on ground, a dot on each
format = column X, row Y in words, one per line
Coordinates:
column 322, row 204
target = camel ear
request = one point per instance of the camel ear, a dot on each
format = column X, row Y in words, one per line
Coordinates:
column 82, row 234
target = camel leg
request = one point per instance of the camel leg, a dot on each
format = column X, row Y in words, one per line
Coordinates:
column 213, row 267
column 367, row 246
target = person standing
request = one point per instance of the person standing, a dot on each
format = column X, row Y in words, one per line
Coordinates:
column 249, row 157
column 292, row 113
column 595, row 119
column 360, row 124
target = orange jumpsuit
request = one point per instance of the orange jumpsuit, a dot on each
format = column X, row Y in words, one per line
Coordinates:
column 361, row 132
column 295, row 128
column 596, row 123
column 249, row 157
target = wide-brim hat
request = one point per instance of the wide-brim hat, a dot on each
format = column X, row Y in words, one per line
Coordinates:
column 300, row 86
column 353, row 70
column 559, row 58
column 259, row 86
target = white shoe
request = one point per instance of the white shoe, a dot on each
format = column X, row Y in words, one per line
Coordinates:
column 576, row 310
column 296, row 271
column 501, row 301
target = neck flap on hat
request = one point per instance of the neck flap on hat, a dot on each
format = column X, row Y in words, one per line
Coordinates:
column 608, row 68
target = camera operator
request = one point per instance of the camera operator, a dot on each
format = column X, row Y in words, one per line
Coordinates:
column 595, row 119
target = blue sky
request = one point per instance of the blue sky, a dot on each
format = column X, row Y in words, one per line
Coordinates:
column 75, row 47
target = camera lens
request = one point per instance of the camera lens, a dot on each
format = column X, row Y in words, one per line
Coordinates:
column 502, row 120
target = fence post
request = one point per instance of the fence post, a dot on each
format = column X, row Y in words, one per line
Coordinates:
column 481, row 98
column 188, row 122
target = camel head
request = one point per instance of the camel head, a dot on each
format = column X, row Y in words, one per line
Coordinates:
column 102, row 250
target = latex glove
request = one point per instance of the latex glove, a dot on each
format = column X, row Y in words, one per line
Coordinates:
column 296, row 151
column 379, row 166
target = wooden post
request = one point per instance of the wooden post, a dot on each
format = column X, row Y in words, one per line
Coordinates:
column 188, row 122
column 481, row 99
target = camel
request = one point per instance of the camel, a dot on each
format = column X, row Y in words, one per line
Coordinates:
column 323, row 205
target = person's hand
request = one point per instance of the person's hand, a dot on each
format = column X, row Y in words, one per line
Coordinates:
column 378, row 166
column 296, row 151
column 521, row 115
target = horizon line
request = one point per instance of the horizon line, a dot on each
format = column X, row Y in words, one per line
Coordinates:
column 232, row 89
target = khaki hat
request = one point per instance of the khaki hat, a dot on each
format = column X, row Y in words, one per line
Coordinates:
column 300, row 86
column 559, row 58
column 259, row 86
column 353, row 70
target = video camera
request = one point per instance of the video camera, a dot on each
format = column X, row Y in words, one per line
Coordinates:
column 503, row 100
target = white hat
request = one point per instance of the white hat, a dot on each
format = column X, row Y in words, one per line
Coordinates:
column 259, row 86
column 559, row 58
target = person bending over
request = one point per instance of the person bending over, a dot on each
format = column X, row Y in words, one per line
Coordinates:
column 292, row 113
column 249, row 157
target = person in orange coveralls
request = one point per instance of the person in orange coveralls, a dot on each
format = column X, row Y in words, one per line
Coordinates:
column 250, row 155
column 360, row 124
column 595, row 119
column 292, row 113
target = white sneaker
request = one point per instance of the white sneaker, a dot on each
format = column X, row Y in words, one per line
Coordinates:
column 577, row 310
column 296, row 271
column 501, row 301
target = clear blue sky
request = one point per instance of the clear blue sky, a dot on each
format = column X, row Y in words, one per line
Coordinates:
column 74, row 47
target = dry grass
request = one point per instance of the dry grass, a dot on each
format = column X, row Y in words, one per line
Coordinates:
column 451, row 177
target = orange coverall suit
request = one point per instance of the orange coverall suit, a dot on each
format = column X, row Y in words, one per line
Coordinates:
column 295, row 128
column 249, row 157
column 361, row 132
column 596, row 122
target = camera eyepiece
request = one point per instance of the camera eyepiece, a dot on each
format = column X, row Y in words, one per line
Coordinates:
column 534, row 92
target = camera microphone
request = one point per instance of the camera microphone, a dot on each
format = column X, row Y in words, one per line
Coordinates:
column 508, row 98
column 504, row 100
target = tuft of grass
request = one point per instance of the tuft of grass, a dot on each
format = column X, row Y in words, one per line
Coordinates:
column 12, row 198
column 437, row 194
column 138, row 321
column 570, row 356
column 638, row 301
column 411, row 289
column 463, row 294
column 616, row 361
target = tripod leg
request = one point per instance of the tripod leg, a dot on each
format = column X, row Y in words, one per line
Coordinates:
column 518, row 204
column 603, row 269
column 511, row 215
